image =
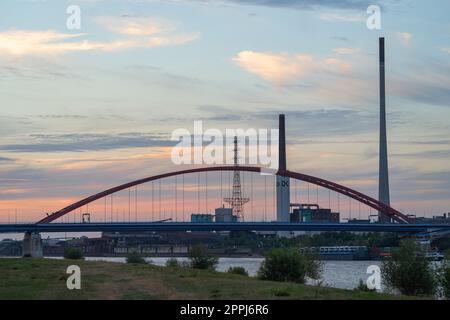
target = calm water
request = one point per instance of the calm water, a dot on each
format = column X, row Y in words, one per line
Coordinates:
column 338, row 274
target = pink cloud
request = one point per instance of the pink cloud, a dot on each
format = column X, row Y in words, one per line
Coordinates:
column 281, row 68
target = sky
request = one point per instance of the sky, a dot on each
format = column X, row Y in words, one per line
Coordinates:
column 86, row 109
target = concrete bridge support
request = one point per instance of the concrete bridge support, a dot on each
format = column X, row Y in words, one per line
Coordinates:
column 32, row 245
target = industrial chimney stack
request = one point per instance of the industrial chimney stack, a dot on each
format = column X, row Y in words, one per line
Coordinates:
column 383, row 175
column 283, row 191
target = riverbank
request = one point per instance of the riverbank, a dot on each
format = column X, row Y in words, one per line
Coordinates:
column 25, row 278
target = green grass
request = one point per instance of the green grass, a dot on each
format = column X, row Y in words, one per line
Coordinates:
column 28, row 278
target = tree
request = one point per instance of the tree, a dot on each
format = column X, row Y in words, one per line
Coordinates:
column 409, row 270
column 172, row 263
column 200, row 258
column 135, row 258
column 287, row 264
column 238, row 270
column 362, row 286
column 73, row 253
column 444, row 276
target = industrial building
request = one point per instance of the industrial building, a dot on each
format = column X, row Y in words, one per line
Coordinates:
column 225, row 215
column 312, row 213
column 221, row 215
column 444, row 218
column 202, row 218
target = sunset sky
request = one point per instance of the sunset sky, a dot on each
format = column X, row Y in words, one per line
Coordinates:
column 86, row 109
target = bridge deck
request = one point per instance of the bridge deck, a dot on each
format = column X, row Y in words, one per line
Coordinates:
column 241, row 226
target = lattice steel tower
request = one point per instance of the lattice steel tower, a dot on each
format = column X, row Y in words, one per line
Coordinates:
column 237, row 201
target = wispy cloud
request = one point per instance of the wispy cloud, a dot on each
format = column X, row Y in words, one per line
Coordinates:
column 275, row 68
column 336, row 65
column 135, row 32
column 135, row 25
column 280, row 68
column 147, row 31
column 341, row 17
column 28, row 42
column 296, row 4
column 405, row 38
column 340, row 38
column 87, row 142
column 345, row 50
column 429, row 87
column 313, row 123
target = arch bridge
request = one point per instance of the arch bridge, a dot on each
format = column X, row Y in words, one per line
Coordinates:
column 396, row 215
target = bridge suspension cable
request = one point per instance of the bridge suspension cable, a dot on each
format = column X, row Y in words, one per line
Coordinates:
column 265, row 197
column 153, row 202
column 159, row 199
column 183, row 196
column 308, row 192
column 176, row 198
column 136, row 203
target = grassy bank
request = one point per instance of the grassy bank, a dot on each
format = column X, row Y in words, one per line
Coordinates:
column 26, row 278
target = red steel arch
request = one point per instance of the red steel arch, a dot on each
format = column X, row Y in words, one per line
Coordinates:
column 358, row 196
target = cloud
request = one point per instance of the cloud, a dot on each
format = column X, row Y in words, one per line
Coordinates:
column 429, row 87
column 339, row 17
column 135, row 26
column 325, row 122
column 273, row 67
column 87, row 142
column 149, row 75
column 280, row 68
column 447, row 50
column 58, row 116
column 313, row 123
column 219, row 113
column 404, row 37
column 345, row 50
column 298, row 4
column 337, row 65
column 430, row 154
column 150, row 31
column 135, row 32
column 340, row 38
column 27, row 42
column 38, row 68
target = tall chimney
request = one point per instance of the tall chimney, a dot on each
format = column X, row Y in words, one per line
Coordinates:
column 283, row 190
column 282, row 143
column 383, row 175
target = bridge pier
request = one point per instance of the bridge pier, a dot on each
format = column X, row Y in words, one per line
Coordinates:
column 32, row 245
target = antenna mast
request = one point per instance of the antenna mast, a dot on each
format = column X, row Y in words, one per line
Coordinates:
column 237, row 201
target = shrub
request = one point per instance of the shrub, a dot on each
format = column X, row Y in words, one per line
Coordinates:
column 200, row 259
column 281, row 293
column 362, row 286
column 289, row 265
column 444, row 277
column 238, row 270
column 73, row 253
column 172, row 263
column 135, row 258
column 409, row 271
